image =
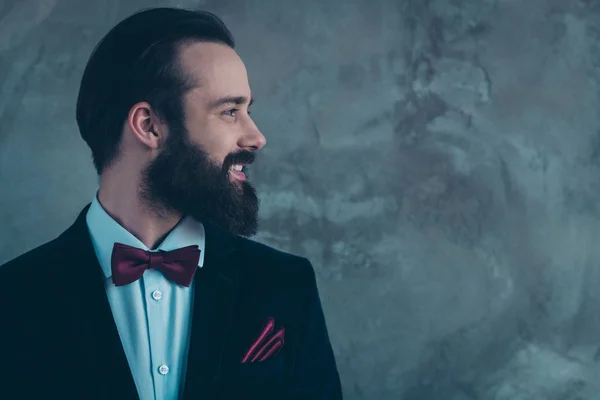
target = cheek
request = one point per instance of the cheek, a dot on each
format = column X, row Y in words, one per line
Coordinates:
column 217, row 139
column 214, row 148
column 217, row 151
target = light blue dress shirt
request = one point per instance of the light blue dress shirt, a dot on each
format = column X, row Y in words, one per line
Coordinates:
column 152, row 314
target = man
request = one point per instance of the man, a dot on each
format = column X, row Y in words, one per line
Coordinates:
column 155, row 292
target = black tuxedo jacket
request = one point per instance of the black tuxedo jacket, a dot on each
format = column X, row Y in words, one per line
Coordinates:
column 58, row 338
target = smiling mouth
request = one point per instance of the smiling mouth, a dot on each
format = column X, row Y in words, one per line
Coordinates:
column 238, row 171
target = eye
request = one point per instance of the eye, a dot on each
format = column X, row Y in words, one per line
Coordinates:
column 231, row 113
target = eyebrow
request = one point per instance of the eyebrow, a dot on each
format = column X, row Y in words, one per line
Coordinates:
column 237, row 100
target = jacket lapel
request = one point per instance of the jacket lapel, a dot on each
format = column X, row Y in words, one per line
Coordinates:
column 97, row 342
column 216, row 288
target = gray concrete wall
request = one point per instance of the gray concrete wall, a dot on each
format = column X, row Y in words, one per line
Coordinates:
column 437, row 160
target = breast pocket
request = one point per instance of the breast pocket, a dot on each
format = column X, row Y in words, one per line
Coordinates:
column 265, row 380
column 270, row 369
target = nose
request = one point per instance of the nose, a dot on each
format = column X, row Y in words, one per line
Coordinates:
column 253, row 139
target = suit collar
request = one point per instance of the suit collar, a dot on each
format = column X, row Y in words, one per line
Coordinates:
column 220, row 245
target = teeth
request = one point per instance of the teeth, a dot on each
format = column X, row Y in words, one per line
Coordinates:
column 237, row 167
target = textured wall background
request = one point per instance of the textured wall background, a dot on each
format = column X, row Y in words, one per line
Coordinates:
column 437, row 160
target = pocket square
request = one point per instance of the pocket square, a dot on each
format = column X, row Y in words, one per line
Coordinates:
column 267, row 343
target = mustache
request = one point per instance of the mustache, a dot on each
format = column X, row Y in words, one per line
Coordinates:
column 239, row 157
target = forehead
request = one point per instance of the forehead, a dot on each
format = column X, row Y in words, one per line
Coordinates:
column 217, row 70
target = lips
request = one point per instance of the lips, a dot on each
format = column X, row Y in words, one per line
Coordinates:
column 237, row 164
column 237, row 171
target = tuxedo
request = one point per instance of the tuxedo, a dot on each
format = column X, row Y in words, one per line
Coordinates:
column 257, row 325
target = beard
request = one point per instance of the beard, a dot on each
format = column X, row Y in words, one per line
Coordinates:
column 183, row 179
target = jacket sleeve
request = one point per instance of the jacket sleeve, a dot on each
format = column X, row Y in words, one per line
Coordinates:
column 315, row 373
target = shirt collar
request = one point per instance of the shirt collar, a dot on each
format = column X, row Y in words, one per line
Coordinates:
column 105, row 232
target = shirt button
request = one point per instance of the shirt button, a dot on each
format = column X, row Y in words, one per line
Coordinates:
column 163, row 369
column 157, row 295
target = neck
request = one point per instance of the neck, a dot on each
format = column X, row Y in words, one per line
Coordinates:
column 119, row 196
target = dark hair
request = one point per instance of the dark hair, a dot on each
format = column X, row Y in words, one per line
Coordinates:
column 138, row 60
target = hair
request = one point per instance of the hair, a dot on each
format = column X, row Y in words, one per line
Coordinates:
column 138, row 60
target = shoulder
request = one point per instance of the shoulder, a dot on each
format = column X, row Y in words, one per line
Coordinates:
column 31, row 266
column 268, row 264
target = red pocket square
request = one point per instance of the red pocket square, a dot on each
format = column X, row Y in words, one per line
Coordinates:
column 267, row 343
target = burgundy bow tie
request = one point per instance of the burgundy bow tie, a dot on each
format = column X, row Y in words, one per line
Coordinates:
column 129, row 263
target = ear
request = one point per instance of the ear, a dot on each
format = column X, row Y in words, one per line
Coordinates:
column 145, row 125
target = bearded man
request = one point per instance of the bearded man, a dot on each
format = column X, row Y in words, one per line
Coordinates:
column 156, row 291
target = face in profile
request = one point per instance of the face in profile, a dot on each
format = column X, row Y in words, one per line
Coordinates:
column 201, row 171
